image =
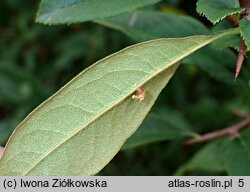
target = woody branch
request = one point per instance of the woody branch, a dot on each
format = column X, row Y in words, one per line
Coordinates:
column 231, row 131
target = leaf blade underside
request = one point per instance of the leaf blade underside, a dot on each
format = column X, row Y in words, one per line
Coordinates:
column 79, row 129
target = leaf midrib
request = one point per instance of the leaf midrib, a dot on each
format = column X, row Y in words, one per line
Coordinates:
column 100, row 114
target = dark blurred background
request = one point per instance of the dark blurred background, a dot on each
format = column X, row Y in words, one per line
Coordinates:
column 36, row 60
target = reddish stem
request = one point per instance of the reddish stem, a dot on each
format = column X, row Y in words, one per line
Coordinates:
column 232, row 131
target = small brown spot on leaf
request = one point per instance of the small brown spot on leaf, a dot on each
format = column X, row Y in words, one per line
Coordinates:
column 140, row 94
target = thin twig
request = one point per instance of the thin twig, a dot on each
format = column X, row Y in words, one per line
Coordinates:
column 231, row 131
column 238, row 112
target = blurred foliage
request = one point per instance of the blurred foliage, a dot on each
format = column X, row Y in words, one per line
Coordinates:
column 36, row 60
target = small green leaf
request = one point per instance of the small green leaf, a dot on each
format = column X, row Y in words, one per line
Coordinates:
column 216, row 10
column 209, row 159
column 74, row 11
column 164, row 125
column 147, row 25
column 237, row 155
column 81, row 128
column 245, row 31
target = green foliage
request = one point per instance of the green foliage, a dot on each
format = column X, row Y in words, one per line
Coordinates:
column 245, row 31
column 147, row 25
column 74, row 116
column 36, row 60
column 63, row 11
column 225, row 42
column 208, row 159
column 237, row 155
column 216, row 10
column 216, row 63
column 227, row 154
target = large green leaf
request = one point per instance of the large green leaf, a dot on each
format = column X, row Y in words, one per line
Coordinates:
column 216, row 10
column 80, row 129
column 147, row 25
column 64, row 11
column 245, row 31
